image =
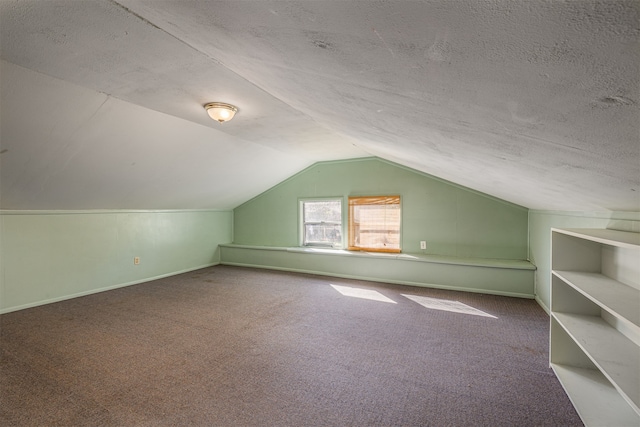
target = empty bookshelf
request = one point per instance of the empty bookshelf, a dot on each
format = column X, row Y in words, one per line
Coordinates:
column 595, row 322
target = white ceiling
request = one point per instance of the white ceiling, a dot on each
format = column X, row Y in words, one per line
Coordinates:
column 532, row 101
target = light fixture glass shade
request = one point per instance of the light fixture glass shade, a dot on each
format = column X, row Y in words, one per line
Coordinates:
column 220, row 111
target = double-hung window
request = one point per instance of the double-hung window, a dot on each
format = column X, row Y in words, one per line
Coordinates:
column 374, row 223
column 321, row 222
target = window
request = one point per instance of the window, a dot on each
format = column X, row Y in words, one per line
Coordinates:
column 321, row 222
column 374, row 223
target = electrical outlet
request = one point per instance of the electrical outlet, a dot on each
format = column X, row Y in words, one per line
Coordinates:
column 136, row 260
column 423, row 244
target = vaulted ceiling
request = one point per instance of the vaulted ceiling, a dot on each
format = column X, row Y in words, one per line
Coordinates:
column 532, row 101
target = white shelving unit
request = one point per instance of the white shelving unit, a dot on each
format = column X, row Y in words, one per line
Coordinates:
column 595, row 323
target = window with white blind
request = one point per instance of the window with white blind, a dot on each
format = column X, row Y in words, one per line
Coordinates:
column 374, row 223
column 321, row 222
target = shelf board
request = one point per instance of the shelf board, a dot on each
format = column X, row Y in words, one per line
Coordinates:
column 602, row 235
column 614, row 354
column 617, row 298
column 595, row 399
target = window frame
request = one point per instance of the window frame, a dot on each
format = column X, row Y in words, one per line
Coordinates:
column 351, row 226
column 302, row 223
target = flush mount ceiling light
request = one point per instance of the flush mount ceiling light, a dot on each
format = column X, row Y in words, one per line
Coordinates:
column 220, row 111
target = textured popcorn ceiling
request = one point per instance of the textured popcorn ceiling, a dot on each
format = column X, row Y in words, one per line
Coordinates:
column 535, row 102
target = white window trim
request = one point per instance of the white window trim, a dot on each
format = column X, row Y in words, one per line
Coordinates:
column 343, row 218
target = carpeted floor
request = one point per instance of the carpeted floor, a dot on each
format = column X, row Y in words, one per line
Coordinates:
column 229, row 346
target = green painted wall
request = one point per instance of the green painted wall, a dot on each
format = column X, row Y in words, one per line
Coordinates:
column 46, row 257
column 540, row 224
column 453, row 220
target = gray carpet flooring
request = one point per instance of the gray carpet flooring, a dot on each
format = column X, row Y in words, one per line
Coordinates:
column 229, row 346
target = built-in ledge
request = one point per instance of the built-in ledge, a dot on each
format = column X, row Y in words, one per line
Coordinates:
column 494, row 276
column 438, row 259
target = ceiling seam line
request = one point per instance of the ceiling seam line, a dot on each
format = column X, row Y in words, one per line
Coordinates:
column 217, row 61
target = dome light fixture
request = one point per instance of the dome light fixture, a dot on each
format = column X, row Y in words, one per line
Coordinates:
column 221, row 112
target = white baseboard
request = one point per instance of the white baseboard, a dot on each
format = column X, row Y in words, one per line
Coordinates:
column 106, row 288
column 374, row 279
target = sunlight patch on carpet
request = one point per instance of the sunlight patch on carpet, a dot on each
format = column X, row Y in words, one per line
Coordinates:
column 447, row 305
column 362, row 293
